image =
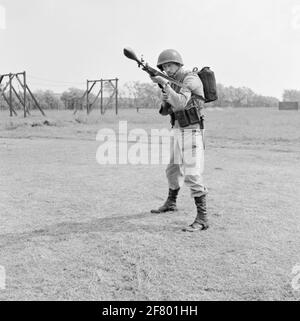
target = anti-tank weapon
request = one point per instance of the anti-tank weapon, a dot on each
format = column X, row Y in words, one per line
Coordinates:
column 129, row 53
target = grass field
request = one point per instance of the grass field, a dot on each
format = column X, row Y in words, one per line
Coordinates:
column 74, row 230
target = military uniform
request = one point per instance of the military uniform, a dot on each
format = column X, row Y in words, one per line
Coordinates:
column 187, row 150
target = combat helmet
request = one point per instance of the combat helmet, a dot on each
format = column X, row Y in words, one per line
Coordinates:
column 169, row 55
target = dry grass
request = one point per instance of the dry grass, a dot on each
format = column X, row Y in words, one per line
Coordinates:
column 74, row 230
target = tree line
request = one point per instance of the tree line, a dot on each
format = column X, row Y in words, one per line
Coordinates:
column 137, row 94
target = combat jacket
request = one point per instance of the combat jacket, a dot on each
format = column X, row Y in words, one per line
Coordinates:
column 180, row 98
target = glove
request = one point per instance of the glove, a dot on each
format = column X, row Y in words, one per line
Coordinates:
column 159, row 80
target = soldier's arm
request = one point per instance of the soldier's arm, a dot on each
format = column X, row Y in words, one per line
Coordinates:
column 192, row 83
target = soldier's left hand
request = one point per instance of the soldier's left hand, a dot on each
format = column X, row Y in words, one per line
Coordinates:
column 159, row 80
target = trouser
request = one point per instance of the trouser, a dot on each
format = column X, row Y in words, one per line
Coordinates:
column 187, row 161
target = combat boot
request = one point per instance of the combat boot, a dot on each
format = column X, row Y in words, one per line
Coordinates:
column 200, row 223
column 170, row 203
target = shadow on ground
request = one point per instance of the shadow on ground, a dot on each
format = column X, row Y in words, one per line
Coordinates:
column 114, row 224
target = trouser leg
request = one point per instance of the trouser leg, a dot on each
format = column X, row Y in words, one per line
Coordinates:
column 193, row 162
column 174, row 170
column 175, row 177
column 193, row 169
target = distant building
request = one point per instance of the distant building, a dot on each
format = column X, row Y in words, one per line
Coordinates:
column 288, row 105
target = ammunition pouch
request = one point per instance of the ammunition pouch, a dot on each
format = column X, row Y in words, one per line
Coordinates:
column 188, row 117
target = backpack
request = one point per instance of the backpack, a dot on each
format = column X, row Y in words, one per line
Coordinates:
column 208, row 79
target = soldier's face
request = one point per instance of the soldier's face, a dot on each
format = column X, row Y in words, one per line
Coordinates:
column 170, row 68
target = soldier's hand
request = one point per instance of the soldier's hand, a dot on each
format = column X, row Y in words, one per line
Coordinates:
column 159, row 80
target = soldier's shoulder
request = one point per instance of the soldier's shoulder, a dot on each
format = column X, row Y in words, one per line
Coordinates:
column 193, row 82
column 191, row 74
column 191, row 77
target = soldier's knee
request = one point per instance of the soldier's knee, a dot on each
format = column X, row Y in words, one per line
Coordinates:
column 172, row 170
column 190, row 179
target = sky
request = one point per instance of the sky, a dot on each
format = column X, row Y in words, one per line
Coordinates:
column 62, row 43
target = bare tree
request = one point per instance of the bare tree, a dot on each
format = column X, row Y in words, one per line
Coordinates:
column 291, row 95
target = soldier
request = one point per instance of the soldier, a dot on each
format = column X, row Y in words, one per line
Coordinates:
column 186, row 164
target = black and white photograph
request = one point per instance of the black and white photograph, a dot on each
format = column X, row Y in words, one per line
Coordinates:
column 149, row 153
